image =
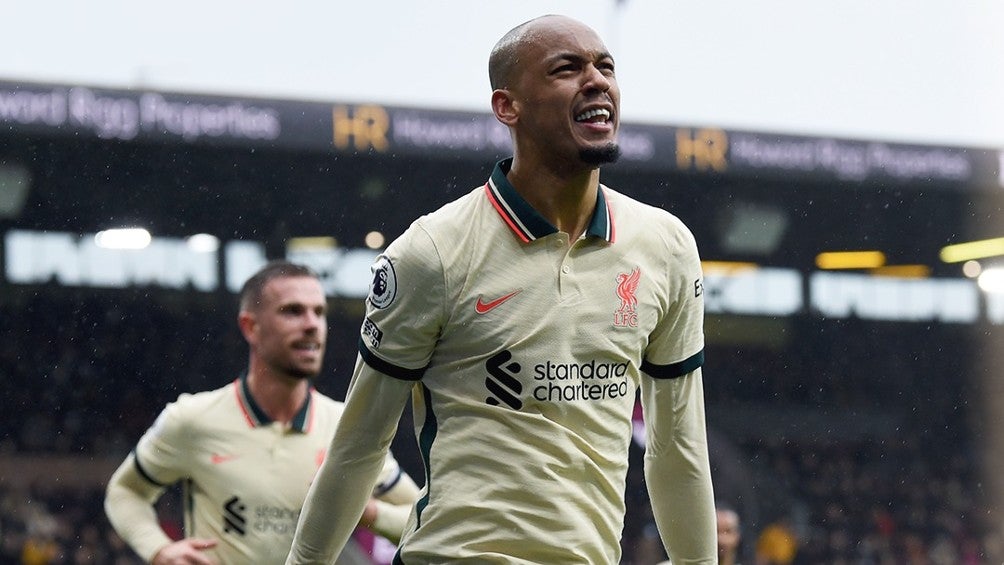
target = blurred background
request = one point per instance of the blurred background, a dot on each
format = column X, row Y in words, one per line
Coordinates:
column 840, row 166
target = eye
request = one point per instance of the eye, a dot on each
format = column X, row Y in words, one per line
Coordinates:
column 564, row 67
column 293, row 310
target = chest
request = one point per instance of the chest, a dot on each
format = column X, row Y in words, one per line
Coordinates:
column 265, row 462
column 591, row 297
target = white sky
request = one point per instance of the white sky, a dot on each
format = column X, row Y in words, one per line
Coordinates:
column 916, row 71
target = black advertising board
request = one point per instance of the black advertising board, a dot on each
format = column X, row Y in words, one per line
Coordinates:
column 350, row 128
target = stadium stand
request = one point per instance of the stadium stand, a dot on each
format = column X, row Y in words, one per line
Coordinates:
column 858, row 431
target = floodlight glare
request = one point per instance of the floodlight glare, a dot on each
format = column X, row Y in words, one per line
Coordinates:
column 992, row 280
column 850, row 260
column 375, row 240
column 123, row 238
column 972, row 250
column 203, row 243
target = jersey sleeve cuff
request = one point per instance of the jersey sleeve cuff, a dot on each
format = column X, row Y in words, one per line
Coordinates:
column 674, row 370
column 386, row 368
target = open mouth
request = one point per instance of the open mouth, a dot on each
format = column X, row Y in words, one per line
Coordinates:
column 594, row 116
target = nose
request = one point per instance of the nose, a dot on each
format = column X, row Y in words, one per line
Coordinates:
column 597, row 80
column 313, row 321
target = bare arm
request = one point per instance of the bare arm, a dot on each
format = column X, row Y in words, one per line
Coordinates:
column 345, row 480
column 677, row 468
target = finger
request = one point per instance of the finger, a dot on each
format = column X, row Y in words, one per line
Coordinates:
column 203, row 543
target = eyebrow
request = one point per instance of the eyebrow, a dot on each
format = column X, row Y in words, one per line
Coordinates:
column 574, row 56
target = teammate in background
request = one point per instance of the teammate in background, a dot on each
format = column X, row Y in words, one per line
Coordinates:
column 247, row 452
column 729, row 535
column 521, row 319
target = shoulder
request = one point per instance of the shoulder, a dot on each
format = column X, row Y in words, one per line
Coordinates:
column 325, row 402
column 188, row 419
column 206, row 398
column 634, row 218
column 193, row 407
column 423, row 245
column 327, row 410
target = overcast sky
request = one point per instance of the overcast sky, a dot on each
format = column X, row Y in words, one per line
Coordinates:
column 915, row 71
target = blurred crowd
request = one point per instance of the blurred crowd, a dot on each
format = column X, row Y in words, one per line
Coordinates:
column 884, row 472
column 854, row 443
column 41, row 525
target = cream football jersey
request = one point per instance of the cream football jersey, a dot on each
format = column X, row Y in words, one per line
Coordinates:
column 244, row 476
column 527, row 353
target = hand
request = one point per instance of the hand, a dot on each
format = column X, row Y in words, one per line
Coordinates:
column 185, row 552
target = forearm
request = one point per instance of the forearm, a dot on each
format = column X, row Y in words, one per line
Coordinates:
column 683, row 507
column 333, row 506
column 678, row 470
column 345, row 480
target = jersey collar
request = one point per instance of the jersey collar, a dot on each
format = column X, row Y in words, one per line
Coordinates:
column 527, row 223
column 256, row 416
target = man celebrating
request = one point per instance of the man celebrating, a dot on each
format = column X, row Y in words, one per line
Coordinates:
column 522, row 319
column 246, row 453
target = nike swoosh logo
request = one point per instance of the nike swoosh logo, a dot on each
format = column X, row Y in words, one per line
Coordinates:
column 482, row 307
column 216, row 458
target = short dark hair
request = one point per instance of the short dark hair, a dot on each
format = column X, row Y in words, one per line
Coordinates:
column 250, row 296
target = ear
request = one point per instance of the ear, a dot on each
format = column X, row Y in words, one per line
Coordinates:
column 246, row 322
column 505, row 107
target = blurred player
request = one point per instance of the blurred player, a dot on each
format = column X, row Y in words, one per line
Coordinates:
column 521, row 319
column 246, row 453
column 729, row 535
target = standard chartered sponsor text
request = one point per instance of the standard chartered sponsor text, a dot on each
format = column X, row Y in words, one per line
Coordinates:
column 591, row 380
column 275, row 519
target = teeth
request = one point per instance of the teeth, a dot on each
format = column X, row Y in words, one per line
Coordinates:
column 592, row 114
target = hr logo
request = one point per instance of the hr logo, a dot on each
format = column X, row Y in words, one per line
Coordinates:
column 502, row 382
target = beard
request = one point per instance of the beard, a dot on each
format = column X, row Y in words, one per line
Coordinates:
column 608, row 153
column 301, row 374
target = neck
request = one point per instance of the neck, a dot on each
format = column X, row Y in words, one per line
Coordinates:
column 279, row 396
column 566, row 197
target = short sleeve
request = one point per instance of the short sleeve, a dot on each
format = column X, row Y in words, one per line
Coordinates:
column 405, row 309
column 161, row 452
column 676, row 345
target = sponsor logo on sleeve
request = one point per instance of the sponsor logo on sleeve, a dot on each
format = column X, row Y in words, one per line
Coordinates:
column 372, row 333
column 383, row 287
